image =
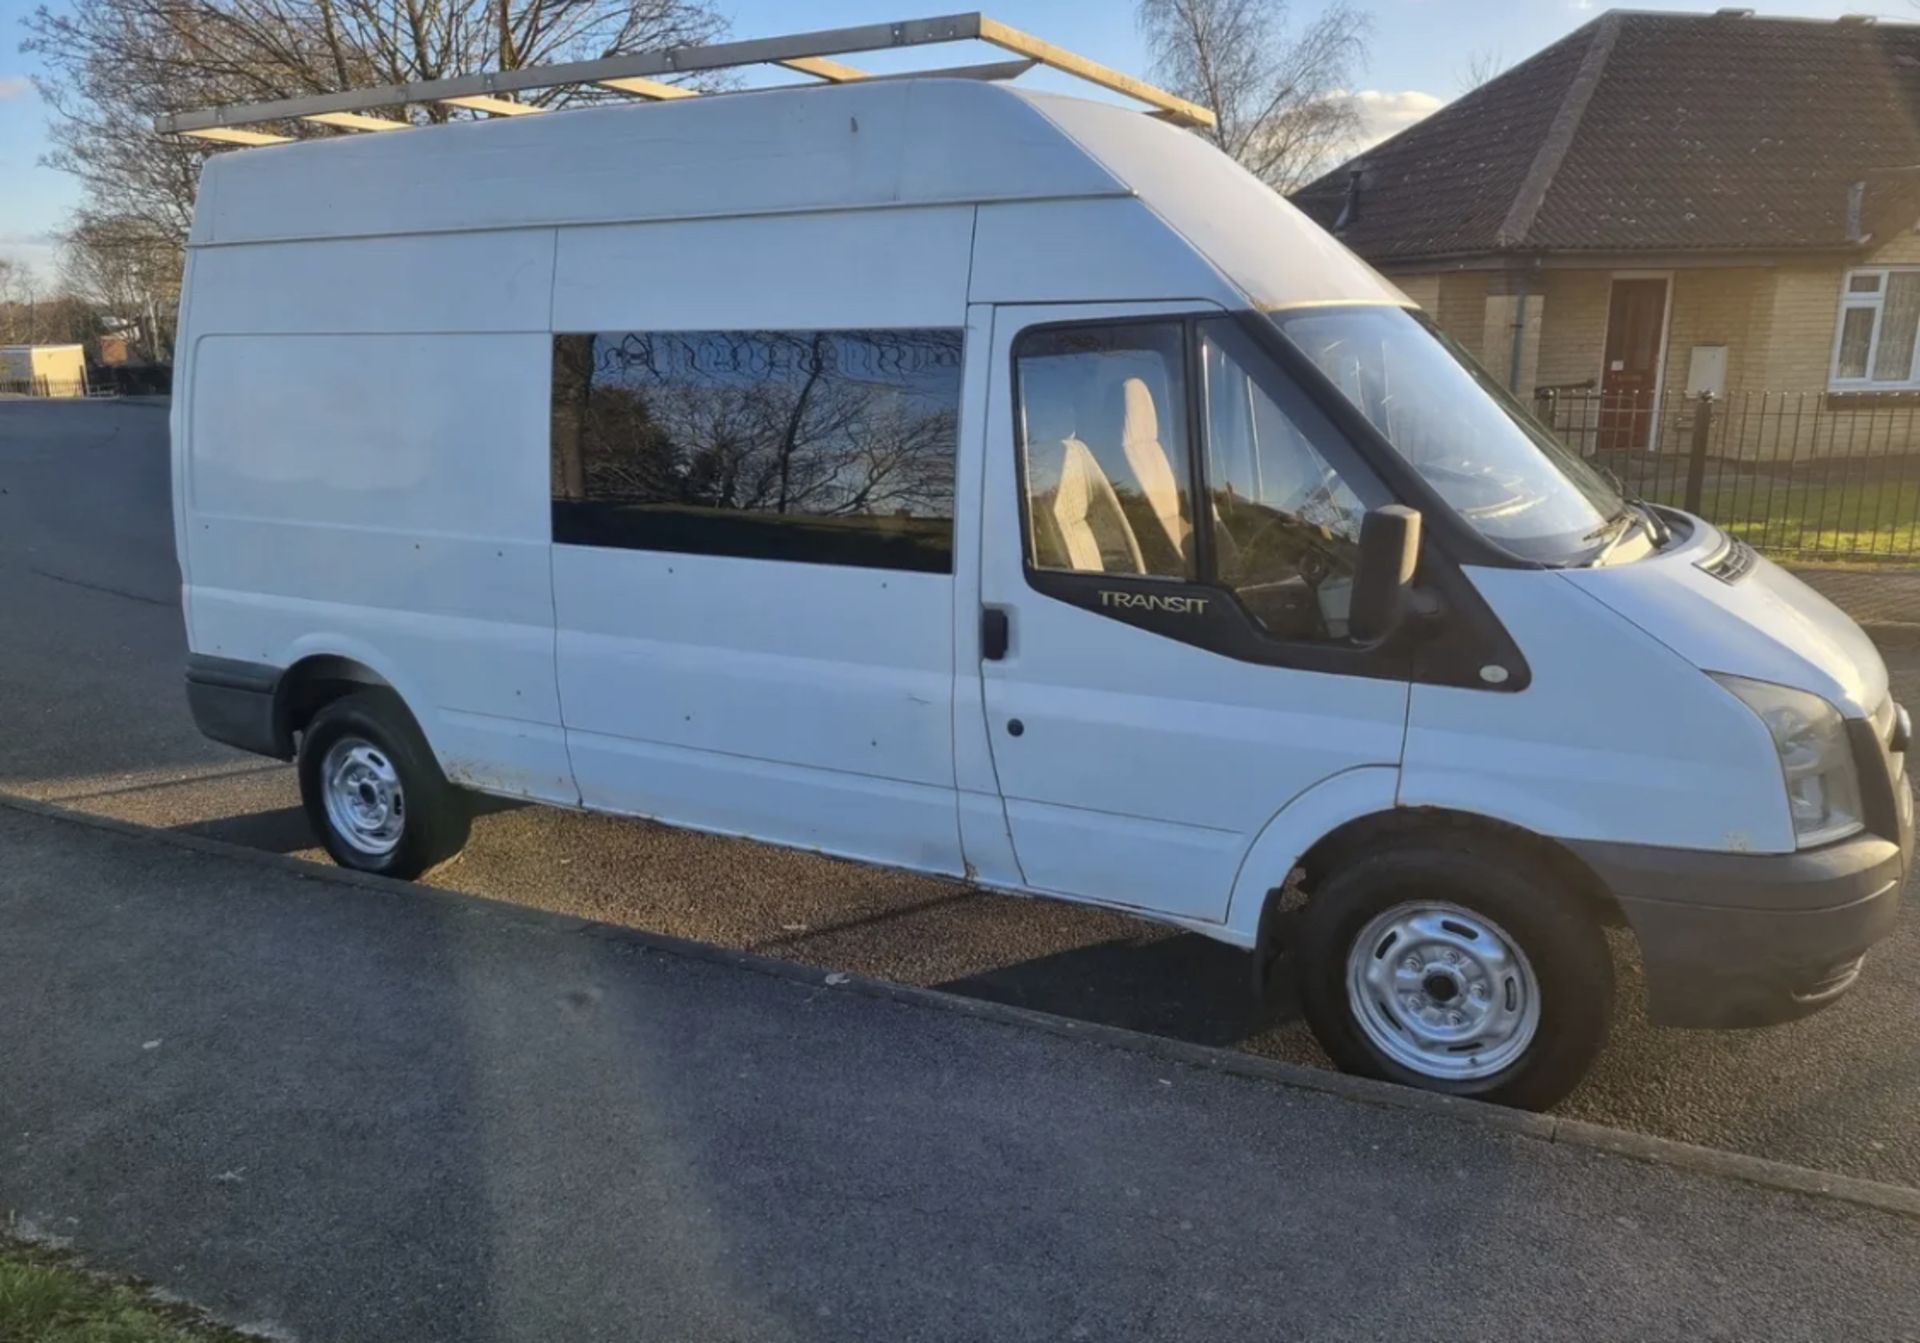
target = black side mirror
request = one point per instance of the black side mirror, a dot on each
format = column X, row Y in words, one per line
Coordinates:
column 1389, row 552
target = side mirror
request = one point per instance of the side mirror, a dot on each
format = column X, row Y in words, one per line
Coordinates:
column 1389, row 552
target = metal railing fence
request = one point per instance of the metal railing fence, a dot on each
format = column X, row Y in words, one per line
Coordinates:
column 1804, row 475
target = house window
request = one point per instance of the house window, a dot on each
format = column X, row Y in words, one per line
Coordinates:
column 1879, row 323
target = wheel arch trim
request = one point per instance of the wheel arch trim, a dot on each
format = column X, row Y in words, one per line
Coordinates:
column 1289, row 833
column 317, row 651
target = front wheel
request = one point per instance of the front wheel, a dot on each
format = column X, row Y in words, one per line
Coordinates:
column 1456, row 972
column 373, row 791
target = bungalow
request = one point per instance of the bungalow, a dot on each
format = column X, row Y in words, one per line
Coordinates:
column 1662, row 205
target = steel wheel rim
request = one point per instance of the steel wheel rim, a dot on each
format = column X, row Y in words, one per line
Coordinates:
column 1442, row 991
column 365, row 804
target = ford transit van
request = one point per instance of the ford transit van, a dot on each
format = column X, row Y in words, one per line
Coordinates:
column 1007, row 487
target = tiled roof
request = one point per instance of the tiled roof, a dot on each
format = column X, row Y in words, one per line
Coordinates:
column 1654, row 132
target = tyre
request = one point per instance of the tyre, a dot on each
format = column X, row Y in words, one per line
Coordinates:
column 373, row 791
column 1470, row 973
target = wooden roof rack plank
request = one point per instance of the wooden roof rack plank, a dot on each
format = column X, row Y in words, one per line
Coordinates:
column 499, row 107
column 648, row 88
column 233, row 135
column 1025, row 44
column 823, row 68
column 356, row 121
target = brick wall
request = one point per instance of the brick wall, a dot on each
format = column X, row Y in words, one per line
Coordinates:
column 1718, row 307
column 1573, row 329
column 1456, row 300
column 1462, row 309
column 1422, row 289
column 1793, row 330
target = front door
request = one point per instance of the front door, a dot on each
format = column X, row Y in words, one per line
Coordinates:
column 1169, row 532
column 1630, row 380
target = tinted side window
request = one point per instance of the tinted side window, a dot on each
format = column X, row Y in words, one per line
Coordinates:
column 1103, row 428
column 825, row 447
column 1286, row 514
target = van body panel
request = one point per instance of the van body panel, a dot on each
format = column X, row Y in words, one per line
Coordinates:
column 342, row 503
column 1617, row 737
column 867, row 144
column 1087, row 251
column 807, row 704
column 985, row 841
column 873, row 268
column 494, row 282
column 179, row 472
column 1144, row 767
column 1767, row 625
column 1271, row 252
column 1365, row 790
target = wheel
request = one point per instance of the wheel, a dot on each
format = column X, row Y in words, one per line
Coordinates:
column 1455, row 971
column 373, row 791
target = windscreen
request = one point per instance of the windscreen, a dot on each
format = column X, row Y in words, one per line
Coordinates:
column 1465, row 434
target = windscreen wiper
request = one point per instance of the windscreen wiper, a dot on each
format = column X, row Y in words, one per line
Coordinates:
column 1617, row 529
column 1658, row 529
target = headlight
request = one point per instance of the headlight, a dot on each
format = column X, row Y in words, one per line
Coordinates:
column 1816, row 758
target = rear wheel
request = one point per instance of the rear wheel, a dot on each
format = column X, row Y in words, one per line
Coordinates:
column 373, row 791
column 1454, row 971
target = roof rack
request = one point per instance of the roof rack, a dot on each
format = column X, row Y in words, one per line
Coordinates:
column 634, row 74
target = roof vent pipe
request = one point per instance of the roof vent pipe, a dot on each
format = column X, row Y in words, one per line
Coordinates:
column 1350, row 207
column 1856, row 211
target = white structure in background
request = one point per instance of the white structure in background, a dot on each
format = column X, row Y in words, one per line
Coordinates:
column 43, row 370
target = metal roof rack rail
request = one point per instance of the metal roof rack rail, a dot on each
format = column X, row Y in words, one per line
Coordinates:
column 635, row 74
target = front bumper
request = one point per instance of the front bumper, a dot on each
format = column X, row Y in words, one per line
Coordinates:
column 238, row 703
column 1733, row 939
column 1752, row 939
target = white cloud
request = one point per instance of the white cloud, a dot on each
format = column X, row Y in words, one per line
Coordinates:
column 1383, row 113
column 14, row 86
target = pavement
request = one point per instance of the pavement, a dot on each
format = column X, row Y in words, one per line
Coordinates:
column 342, row 1111
column 1880, row 598
column 91, row 651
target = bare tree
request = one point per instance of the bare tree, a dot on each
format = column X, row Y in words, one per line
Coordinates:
column 113, row 65
column 1282, row 98
column 129, row 274
column 1481, row 65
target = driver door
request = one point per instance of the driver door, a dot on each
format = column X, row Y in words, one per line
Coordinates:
column 1169, row 532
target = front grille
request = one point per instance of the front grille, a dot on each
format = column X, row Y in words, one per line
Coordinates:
column 1732, row 562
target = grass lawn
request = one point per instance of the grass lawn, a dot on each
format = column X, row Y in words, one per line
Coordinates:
column 45, row 1299
column 1846, row 520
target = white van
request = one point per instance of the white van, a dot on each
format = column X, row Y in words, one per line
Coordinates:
column 1007, row 487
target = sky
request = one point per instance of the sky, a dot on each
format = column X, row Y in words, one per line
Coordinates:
column 1418, row 56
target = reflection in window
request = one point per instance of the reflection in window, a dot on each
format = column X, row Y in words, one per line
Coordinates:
column 831, row 447
column 1286, row 524
column 1104, row 438
column 1478, row 449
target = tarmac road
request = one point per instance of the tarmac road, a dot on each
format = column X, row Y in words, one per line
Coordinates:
column 337, row 1115
column 91, row 648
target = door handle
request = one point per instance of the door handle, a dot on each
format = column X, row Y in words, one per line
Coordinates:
column 995, row 630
